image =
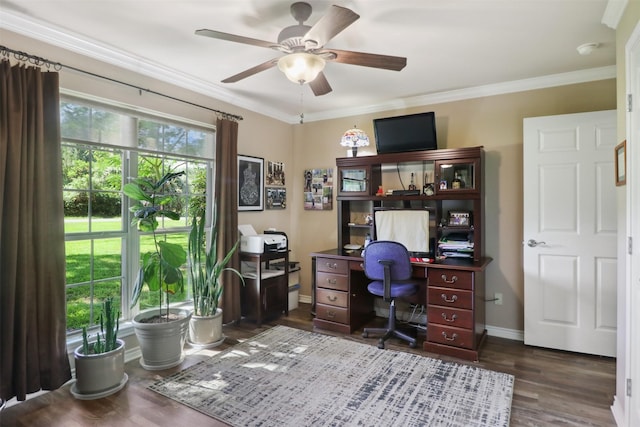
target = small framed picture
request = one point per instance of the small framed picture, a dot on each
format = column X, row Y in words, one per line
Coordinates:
column 621, row 163
column 459, row 219
column 250, row 183
column 276, row 197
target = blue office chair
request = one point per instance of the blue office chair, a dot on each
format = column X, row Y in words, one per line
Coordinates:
column 388, row 264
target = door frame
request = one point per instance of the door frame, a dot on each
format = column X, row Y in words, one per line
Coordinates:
column 628, row 367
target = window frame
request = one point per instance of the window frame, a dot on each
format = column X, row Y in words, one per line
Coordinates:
column 130, row 246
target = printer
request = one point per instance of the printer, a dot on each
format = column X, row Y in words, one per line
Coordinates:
column 250, row 241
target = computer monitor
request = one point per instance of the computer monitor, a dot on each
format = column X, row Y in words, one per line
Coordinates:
column 407, row 226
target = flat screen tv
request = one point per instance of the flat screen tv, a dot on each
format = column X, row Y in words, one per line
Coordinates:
column 413, row 132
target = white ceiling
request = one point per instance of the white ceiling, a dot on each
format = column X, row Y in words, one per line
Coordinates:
column 451, row 46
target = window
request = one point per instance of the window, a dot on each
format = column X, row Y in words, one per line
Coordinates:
column 102, row 148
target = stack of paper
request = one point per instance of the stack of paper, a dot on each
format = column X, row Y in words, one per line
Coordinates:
column 455, row 247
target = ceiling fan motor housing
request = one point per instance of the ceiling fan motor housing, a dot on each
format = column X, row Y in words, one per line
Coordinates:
column 293, row 36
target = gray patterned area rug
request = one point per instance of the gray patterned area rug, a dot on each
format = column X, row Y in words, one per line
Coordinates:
column 290, row 377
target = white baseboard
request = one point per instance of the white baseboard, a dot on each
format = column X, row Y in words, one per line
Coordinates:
column 617, row 409
column 305, row 299
column 510, row 334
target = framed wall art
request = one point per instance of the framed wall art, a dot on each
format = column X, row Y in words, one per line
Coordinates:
column 275, row 174
column 250, row 183
column 318, row 189
column 621, row 163
column 276, row 197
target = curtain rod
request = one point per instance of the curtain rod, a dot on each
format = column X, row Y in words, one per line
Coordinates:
column 38, row 61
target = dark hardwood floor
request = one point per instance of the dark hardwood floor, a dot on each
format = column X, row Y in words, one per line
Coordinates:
column 551, row 387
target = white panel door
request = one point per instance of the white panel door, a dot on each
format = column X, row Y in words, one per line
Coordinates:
column 570, row 226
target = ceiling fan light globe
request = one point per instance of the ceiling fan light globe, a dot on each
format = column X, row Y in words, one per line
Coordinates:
column 301, row 67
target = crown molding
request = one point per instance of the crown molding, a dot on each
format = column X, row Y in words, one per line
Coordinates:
column 563, row 79
column 73, row 42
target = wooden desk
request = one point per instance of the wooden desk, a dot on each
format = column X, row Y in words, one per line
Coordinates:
column 453, row 292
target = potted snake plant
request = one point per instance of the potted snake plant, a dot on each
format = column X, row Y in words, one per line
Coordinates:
column 161, row 332
column 205, row 270
column 100, row 364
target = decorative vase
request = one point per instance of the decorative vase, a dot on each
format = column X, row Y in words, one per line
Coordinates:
column 99, row 375
column 206, row 331
column 161, row 343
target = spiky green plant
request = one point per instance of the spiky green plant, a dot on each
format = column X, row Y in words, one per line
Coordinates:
column 106, row 339
column 160, row 269
column 206, row 267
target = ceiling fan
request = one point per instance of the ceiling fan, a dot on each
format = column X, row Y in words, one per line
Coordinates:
column 303, row 46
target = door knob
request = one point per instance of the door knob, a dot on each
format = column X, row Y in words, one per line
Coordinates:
column 533, row 243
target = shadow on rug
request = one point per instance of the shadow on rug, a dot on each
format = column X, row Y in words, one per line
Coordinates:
column 290, row 377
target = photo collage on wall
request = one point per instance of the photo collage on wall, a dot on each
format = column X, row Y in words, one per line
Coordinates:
column 318, row 189
column 275, row 191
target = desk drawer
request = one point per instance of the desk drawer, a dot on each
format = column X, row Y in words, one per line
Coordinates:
column 450, row 316
column 330, row 265
column 450, row 336
column 332, row 297
column 332, row 281
column 451, row 278
column 449, row 297
column 334, row 314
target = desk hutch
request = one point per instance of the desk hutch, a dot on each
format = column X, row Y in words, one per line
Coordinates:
column 450, row 183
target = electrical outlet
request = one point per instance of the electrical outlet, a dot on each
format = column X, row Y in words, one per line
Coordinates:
column 497, row 298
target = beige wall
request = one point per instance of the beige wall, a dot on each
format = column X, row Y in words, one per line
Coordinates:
column 494, row 122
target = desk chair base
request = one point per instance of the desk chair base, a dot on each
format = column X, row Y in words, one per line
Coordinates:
column 390, row 330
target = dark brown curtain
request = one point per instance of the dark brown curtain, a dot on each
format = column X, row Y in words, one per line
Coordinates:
column 226, row 203
column 33, row 354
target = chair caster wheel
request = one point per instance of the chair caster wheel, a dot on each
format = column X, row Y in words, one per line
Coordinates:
column 381, row 345
column 412, row 345
column 365, row 335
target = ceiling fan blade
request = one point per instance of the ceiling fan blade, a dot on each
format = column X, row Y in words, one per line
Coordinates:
column 251, row 71
column 238, row 39
column 337, row 19
column 386, row 62
column 320, row 85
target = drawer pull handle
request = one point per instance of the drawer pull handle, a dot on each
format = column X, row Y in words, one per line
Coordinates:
column 332, row 281
column 453, row 298
column 332, row 265
column 332, row 298
column 331, row 314
column 452, row 319
column 454, row 279
column 451, row 338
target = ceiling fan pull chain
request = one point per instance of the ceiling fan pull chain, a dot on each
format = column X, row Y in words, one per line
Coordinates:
column 301, row 105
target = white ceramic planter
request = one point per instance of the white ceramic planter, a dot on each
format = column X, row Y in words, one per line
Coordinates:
column 161, row 343
column 99, row 375
column 206, row 331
